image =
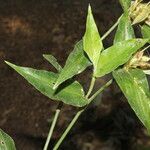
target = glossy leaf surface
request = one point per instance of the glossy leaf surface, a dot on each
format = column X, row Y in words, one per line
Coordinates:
column 92, row 42
column 146, row 32
column 125, row 4
column 51, row 59
column 124, row 30
column 117, row 55
column 6, row 142
column 75, row 64
column 134, row 85
column 70, row 93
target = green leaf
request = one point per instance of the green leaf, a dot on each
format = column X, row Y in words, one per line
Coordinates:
column 51, row 59
column 124, row 30
column 70, row 93
column 92, row 42
column 117, row 55
column 125, row 4
column 6, row 142
column 146, row 32
column 75, row 64
column 134, row 85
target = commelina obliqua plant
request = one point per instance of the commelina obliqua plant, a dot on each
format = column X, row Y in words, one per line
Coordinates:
column 125, row 59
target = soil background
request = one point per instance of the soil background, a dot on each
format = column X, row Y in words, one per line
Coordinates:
column 29, row 29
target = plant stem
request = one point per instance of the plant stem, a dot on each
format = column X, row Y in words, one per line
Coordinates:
column 91, row 87
column 68, row 129
column 78, row 115
column 75, row 117
column 57, row 111
column 88, row 94
column 100, row 90
column 111, row 29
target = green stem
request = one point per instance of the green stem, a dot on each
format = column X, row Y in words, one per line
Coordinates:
column 100, row 90
column 57, row 111
column 88, row 94
column 78, row 115
column 91, row 87
column 111, row 29
column 68, row 129
column 75, row 117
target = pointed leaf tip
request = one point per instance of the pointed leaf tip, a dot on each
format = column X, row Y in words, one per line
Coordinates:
column 92, row 42
column 42, row 80
column 125, row 30
column 8, row 63
column 89, row 9
column 53, row 61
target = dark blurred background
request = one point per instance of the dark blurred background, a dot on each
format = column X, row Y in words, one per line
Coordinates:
column 29, row 29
